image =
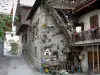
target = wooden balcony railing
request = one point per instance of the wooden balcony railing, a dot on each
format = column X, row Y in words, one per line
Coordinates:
column 89, row 35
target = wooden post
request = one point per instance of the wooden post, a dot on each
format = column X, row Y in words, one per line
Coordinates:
column 98, row 57
column 62, row 4
column 93, row 57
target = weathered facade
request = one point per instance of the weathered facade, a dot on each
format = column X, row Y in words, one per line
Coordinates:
column 48, row 31
column 88, row 36
column 45, row 35
column 22, row 26
column 51, row 29
column 89, row 40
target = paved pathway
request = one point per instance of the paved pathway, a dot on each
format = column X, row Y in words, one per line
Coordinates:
column 18, row 66
column 4, row 65
column 15, row 65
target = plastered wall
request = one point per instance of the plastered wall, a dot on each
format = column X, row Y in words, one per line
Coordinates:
column 86, row 19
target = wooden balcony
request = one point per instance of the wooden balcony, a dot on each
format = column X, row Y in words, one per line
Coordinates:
column 88, row 37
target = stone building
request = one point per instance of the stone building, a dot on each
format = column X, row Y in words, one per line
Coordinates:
column 41, row 34
column 71, row 30
column 44, row 35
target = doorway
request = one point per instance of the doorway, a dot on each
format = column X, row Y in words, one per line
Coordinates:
column 93, row 59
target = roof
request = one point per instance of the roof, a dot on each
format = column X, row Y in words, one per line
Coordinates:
column 34, row 8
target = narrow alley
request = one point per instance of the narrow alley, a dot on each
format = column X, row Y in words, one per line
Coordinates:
column 16, row 65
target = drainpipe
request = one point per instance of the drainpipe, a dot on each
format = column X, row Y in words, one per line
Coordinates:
column 98, row 57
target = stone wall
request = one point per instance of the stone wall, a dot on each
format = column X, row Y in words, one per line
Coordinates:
column 1, row 47
column 45, row 36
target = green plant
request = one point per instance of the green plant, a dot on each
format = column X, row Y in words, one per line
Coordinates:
column 5, row 24
column 16, row 20
column 14, row 48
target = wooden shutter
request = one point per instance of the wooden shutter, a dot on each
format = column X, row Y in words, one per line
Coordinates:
column 94, row 21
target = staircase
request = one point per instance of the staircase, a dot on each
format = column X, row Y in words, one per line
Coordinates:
column 62, row 21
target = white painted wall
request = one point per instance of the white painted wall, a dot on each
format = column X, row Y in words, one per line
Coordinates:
column 84, row 63
column 20, row 45
column 6, row 42
column 86, row 19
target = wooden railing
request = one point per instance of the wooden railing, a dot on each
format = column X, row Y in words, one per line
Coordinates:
column 89, row 35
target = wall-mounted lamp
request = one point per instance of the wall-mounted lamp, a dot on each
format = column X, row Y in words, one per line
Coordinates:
column 82, row 57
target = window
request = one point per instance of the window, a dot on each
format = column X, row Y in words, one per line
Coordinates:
column 25, row 38
column 36, row 52
column 79, row 27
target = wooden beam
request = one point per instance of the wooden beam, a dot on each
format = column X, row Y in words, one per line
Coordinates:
column 93, row 57
column 89, row 3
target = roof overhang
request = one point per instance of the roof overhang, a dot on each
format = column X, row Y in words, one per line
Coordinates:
column 88, row 7
column 34, row 8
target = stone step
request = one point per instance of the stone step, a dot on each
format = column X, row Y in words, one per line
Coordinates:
column 80, row 74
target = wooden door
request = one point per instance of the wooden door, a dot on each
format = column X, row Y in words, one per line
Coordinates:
column 90, row 60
